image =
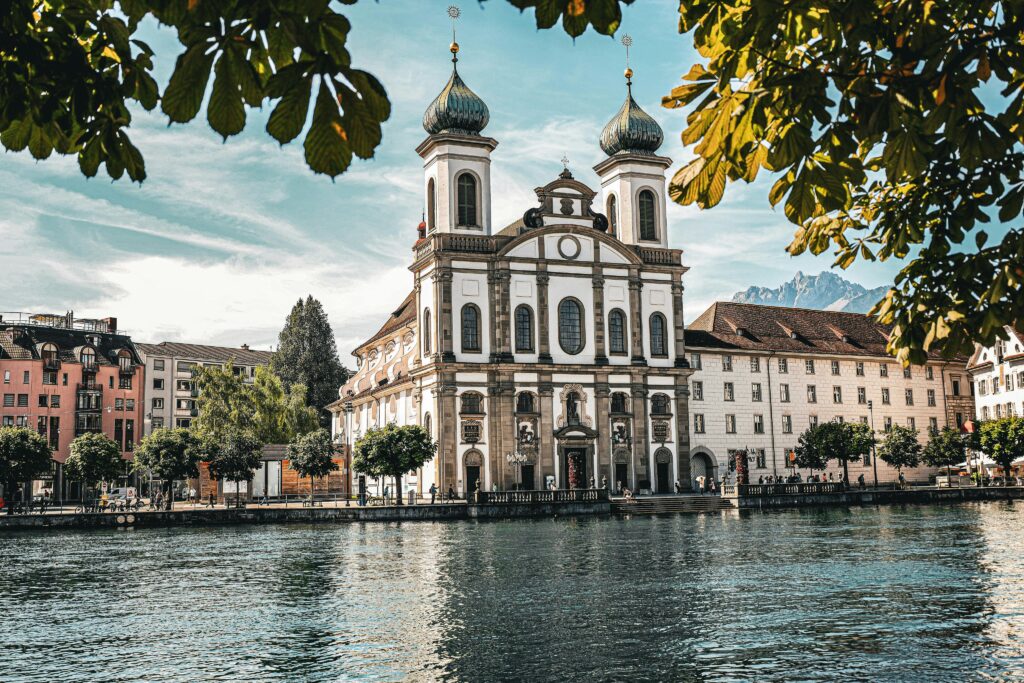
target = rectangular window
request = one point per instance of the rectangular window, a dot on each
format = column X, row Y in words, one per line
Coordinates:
column 119, row 433
column 185, row 366
column 784, row 393
column 55, row 433
column 1009, row 382
column 129, row 435
column 883, row 370
column 8, row 400
column 759, row 458
column 863, row 419
column 158, row 364
column 55, row 401
column 158, row 404
column 23, row 400
column 698, row 423
column 41, row 425
column 929, row 372
column 184, row 404
column 809, row 366
column 698, row 391
column 862, row 395
column 787, row 424
column 888, row 423
column 7, row 376
column 909, row 394
column 110, row 381
column 755, row 364
column 158, row 423
column 730, row 394
column 912, row 423
column 118, row 404
column 837, row 394
column 64, row 379
column 812, row 394
column 931, row 398
column 129, row 404
column 730, row 424
column 50, row 377
column 44, row 400
column 726, row 363
column 860, row 368
column 840, row 419
column 8, row 421
column 835, row 367
column 812, row 420
column 158, row 383
column 959, row 420
column 956, row 386
column 124, row 382
column 695, row 362
column 25, row 377
column 933, row 425
column 906, row 373
column 783, row 366
column 23, row 420
column 755, row 391
column 759, row 424
column 885, row 396
column 183, row 423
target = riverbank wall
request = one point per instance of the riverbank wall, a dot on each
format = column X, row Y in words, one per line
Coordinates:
column 920, row 496
column 281, row 515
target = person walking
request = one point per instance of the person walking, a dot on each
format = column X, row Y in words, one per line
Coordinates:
column 451, row 493
column 433, row 493
column 860, row 481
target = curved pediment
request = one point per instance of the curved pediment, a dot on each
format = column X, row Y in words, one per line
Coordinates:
column 575, row 432
column 525, row 244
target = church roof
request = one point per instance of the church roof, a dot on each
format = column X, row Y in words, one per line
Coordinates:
column 631, row 130
column 457, row 109
column 399, row 318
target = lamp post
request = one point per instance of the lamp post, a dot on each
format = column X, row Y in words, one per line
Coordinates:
column 517, row 459
column 874, row 458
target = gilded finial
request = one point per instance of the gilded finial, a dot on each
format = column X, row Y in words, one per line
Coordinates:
column 454, row 13
column 565, row 161
column 627, row 41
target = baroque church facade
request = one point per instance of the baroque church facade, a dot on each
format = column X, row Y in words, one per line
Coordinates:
column 548, row 352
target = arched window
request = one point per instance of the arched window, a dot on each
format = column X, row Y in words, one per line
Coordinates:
column 431, row 206
column 472, row 403
column 525, row 403
column 524, row 329
column 619, row 403
column 49, row 354
column 466, row 188
column 645, row 211
column 470, row 328
column 570, row 326
column 613, row 215
column 124, row 359
column 659, row 345
column 426, row 330
column 660, row 405
column 88, row 357
column 617, row 331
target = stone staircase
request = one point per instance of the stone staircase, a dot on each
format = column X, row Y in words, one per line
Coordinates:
column 663, row 505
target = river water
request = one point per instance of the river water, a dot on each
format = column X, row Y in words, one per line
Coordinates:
column 872, row 594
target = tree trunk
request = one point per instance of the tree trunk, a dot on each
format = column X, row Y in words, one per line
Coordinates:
column 168, row 494
column 846, row 476
column 398, row 489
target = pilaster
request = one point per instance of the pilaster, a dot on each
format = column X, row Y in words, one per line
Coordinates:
column 543, row 342
column 637, row 317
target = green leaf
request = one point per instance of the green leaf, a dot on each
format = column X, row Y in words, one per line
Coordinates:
column 326, row 144
column 39, row 144
column 17, row 135
column 184, row 94
column 361, row 127
column 289, row 116
column 225, row 112
column 373, row 93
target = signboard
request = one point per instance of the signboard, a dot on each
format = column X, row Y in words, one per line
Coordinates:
column 230, row 487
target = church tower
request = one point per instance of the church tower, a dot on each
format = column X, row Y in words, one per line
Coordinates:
column 457, row 159
column 633, row 175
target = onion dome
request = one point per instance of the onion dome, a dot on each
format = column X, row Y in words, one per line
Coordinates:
column 632, row 130
column 421, row 229
column 457, row 109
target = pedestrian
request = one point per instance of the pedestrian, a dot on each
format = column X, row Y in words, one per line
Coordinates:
column 701, row 484
column 192, row 495
column 678, row 488
column 860, row 481
column 604, row 482
column 387, row 491
column 433, row 493
column 712, row 489
column 211, row 500
column 451, row 493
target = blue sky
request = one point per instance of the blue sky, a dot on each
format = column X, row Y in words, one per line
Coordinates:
column 222, row 238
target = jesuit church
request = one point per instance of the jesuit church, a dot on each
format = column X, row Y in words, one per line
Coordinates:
column 545, row 352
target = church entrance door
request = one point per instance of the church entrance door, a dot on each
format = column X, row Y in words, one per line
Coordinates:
column 576, row 468
column 663, row 478
column 472, row 477
column 527, row 483
column 621, row 476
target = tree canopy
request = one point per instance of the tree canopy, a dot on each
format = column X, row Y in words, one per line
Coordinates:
column 1003, row 441
column 307, row 355
column 392, row 451
column 24, row 455
column 94, row 458
column 312, row 455
column 945, row 448
column 235, row 456
column 900, row 448
column 169, row 454
column 839, row 441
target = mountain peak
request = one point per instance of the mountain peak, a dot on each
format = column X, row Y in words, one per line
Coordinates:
column 825, row 291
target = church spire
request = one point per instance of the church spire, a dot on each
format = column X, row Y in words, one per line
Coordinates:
column 457, row 109
column 631, row 130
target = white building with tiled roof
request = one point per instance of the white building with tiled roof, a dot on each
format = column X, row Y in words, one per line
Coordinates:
column 998, row 375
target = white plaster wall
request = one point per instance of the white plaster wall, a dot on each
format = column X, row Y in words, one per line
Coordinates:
column 560, row 287
column 471, row 288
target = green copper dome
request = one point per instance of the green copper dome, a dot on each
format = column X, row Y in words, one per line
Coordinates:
column 632, row 130
column 456, row 110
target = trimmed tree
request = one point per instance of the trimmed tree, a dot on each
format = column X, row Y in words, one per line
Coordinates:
column 900, row 448
column 234, row 458
column 169, row 454
column 94, row 457
column 392, row 451
column 829, row 441
column 945, row 448
column 312, row 455
column 1003, row 441
column 24, row 455
column 308, row 355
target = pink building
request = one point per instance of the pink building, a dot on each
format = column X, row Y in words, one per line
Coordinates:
column 65, row 377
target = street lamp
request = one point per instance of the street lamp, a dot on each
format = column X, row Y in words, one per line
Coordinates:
column 874, row 458
column 517, row 459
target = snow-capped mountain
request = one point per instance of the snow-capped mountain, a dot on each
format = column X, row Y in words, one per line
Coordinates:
column 824, row 291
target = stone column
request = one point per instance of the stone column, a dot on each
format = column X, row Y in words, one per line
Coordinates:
column 447, row 431
column 636, row 317
column 495, row 447
column 543, row 344
column 678, row 325
column 504, row 299
column 507, row 424
column 641, row 444
column 546, row 446
column 600, row 352
column 683, row 432
column 602, row 393
column 446, row 327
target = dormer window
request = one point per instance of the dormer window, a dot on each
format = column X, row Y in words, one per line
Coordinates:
column 88, row 358
column 124, row 360
column 646, row 214
column 50, row 358
column 466, row 188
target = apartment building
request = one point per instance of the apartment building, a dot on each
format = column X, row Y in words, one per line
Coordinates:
column 170, row 394
column 764, row 374
column 997, row 372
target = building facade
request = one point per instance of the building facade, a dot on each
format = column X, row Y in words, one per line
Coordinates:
column 170, row 393
column 547, row 353
column 65, row 377
column 997, row 373
column 762, row 375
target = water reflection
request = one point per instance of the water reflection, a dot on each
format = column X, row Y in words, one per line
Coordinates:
column 916, row 593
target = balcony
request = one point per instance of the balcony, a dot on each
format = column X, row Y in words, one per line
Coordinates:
column 89, row 387
column 51, row 363
column 126, row 368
